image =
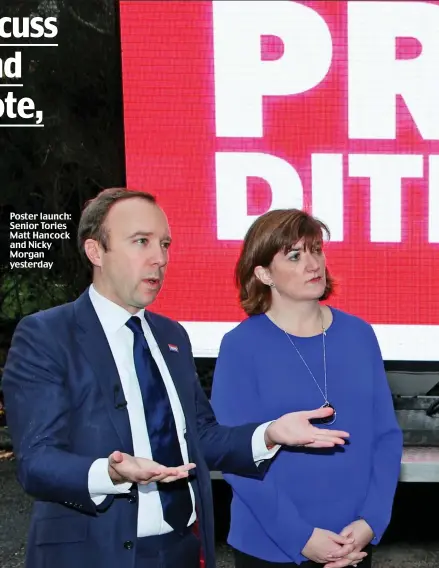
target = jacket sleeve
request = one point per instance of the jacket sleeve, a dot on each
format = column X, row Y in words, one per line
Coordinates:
column 224, row 448
column 388, row 446
column 38, row 416
column 235, row 400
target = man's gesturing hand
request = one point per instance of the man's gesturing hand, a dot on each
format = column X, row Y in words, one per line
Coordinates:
column 295, row 429
column 125, row 468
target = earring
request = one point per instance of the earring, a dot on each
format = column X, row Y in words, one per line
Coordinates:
column 272, row 285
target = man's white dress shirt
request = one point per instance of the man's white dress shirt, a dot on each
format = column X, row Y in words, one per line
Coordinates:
column 150, row 513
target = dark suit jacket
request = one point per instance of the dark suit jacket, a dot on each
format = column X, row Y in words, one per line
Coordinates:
column 59, row 385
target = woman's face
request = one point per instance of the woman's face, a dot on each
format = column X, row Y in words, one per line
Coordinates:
column 299, row 274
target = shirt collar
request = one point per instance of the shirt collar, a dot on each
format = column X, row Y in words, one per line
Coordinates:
column 112, row 316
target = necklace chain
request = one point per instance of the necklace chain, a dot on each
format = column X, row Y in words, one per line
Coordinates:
column 325, row 393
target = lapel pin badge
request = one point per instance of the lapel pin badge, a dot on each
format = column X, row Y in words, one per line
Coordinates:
column 173, row 348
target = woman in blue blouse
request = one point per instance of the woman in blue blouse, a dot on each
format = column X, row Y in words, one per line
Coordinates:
column 293, row 353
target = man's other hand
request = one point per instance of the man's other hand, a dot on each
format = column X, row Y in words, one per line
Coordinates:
column 124, row 468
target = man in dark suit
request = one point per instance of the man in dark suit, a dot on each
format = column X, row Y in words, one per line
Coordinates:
column 112, row 432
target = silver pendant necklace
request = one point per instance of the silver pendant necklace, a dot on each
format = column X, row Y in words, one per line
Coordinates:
column 330, row 419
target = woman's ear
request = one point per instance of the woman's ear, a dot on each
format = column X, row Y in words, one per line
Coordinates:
column 263, row 274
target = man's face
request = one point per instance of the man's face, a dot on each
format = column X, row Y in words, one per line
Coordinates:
column 131, row 271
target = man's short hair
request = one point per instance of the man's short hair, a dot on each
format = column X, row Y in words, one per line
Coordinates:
column 95, row 212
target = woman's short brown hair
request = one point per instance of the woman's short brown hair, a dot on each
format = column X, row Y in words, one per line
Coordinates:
column 275, row 231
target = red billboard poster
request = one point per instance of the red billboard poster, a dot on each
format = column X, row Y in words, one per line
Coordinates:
column 233, row 108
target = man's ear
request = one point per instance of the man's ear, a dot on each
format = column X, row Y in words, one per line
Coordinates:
column 94, row 252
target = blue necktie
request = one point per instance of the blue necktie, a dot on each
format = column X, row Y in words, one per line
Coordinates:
column 165, row 447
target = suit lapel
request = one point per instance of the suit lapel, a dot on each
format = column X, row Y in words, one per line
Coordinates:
column 94, row 344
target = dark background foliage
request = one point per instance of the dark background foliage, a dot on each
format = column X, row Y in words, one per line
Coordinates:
column 80, row 150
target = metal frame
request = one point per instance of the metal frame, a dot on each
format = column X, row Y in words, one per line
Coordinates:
column 418, row 465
